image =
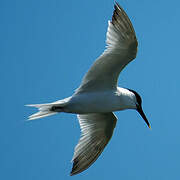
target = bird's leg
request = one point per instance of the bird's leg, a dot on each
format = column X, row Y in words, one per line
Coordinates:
column 56, row 108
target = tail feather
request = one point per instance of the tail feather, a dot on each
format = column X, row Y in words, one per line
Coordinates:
column 48, row 109
column 40, row 114
column 44, row 110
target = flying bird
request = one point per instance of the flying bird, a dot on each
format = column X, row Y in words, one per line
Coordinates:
column 98, row 95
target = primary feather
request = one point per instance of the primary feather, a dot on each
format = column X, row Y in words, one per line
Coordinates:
column 121, row 49
column 96, row 131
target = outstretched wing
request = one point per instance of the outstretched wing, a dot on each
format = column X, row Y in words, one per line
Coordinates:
column 121, row 49
column 96, row 131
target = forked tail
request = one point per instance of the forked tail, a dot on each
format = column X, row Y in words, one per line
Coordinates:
column 48, row 109
column 44, row 110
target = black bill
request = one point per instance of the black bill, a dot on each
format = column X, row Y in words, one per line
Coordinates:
column 139, row 109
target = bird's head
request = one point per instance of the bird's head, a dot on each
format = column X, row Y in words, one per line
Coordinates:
column 138, row 102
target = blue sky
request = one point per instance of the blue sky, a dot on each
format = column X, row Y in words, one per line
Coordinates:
column 45, row 49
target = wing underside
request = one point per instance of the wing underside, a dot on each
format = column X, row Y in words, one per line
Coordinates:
column 96, row 131
column 121, row 49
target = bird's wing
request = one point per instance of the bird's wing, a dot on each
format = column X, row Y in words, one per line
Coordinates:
column 96, row 131
column 121, row 49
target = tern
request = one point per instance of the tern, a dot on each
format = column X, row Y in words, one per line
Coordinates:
column 98, row 96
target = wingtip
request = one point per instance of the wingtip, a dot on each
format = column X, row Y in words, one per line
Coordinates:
column 73, row 170
column 116, row 4
column 71, row 173
column 118, row 7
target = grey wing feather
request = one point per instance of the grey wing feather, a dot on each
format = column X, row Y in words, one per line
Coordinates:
column 96, row 131
column 121, row 49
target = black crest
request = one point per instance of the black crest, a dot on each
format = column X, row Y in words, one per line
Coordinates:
column 138, row 97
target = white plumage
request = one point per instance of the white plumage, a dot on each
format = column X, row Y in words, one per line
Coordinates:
column 96, row 131
column 98, row 95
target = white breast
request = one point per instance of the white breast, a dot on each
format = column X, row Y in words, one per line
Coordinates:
column 99, row 102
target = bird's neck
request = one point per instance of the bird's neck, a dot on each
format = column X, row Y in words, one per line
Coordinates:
column 126, row 98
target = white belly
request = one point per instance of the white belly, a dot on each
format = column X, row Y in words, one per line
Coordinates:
column 99, row 102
